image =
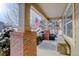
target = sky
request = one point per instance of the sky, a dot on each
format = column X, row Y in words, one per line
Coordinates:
column 9, row 13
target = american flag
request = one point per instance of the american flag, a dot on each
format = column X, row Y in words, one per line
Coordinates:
column 37, row 22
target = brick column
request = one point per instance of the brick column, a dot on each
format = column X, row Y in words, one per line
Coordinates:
column 16, row 44
column 30, row 44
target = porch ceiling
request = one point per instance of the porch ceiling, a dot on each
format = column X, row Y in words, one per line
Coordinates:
column 53, row 10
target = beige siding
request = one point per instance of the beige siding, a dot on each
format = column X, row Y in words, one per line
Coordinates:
column 76, row 18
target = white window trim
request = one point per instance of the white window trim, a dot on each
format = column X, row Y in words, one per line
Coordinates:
column 66, row 29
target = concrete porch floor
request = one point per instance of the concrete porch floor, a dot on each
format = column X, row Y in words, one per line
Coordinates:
column 48, row 48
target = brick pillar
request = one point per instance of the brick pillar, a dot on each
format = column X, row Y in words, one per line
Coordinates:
column 24, row 43
column 30, row 44
column 16, row 44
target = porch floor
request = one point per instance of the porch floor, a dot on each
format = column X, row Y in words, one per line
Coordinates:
column 48, row 48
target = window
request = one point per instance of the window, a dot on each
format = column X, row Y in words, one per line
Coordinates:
column 68, row 30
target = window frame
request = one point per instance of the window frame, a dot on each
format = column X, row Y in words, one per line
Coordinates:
column 66, row 23
column 66, row 29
